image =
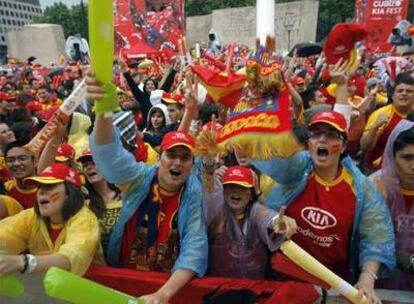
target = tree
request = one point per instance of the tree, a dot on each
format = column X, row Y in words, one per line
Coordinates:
column 73, row 20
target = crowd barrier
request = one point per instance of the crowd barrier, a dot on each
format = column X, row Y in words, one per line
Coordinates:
column 136, row 283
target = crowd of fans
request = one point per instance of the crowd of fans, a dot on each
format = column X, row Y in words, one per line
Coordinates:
column 129, row 190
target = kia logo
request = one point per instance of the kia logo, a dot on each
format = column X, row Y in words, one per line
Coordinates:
column 318, row 218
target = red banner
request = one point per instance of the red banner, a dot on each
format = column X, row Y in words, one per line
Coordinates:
column 379, row 18
column 148, row 28
column 230, row 290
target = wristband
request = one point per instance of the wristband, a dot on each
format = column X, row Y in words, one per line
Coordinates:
column 370, row 272
column 26, row 263
column 273, row 221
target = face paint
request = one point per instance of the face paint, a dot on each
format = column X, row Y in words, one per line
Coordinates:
column 334, row 148
column 54, row 197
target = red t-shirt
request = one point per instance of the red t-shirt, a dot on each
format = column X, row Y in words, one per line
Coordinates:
column 27, row 198
column 408, row 200
column 54, row 232
column 324, row 213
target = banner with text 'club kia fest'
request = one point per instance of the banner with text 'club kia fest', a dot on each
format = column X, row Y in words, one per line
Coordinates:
column 148, row 28
column 379, row 18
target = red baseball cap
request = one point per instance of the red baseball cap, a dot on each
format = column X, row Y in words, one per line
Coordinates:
column 57, row 173
column 65, row 152
column 341, row 41
column 325, row 75
column 298, row 80
column 335, row 119
column 87, row 153
column 177, row 138
column 5, row 96
column 239, row 175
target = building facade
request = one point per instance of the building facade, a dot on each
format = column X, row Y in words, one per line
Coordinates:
column 14, row 14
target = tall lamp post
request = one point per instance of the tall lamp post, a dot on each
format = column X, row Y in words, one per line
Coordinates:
column 265, row 19
column 289, row 23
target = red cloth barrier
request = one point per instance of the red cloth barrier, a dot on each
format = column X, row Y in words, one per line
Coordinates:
column 138, row 283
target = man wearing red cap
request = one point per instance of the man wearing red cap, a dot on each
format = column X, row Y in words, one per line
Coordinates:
column 342, row 219
column 240, row 229
column 381, row 122
column 161, row 226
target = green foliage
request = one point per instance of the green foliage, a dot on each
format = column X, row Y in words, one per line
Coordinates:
column 72, row 19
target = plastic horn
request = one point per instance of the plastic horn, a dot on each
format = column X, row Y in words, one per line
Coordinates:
column 181, row 52
column 198, row 50
column 101, row 37
column 314, row 267
column 230, row 58
column 61, row 117
column 67, row 286
column 10, row 286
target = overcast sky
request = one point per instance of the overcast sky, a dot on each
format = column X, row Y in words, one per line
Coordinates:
column 45, row 3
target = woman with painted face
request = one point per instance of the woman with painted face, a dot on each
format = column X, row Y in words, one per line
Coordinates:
column 342, row 219
column 395, row 181
column 104, row 198
column 59, row 231
column 241, row 231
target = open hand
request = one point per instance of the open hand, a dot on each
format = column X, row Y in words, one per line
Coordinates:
column 339, row 72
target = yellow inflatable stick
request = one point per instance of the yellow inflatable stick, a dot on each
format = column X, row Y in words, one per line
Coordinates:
column 101, row 38
column 314, row 267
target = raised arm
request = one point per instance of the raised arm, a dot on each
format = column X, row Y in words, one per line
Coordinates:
column 191, row 102
column 116, row 164
column 47, row 157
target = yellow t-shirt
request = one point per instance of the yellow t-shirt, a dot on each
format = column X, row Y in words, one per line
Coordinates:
column 108, row 220
column 13, row 206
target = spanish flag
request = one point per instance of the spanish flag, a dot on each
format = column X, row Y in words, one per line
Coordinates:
column 224, row 87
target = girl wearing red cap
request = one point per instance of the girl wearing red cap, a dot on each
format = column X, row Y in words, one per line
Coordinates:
column 60, row 231
column 241, row 230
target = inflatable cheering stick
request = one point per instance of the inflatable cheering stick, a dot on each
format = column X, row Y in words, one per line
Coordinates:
column 101, row 38
column 10, row 286
column 67, row 286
